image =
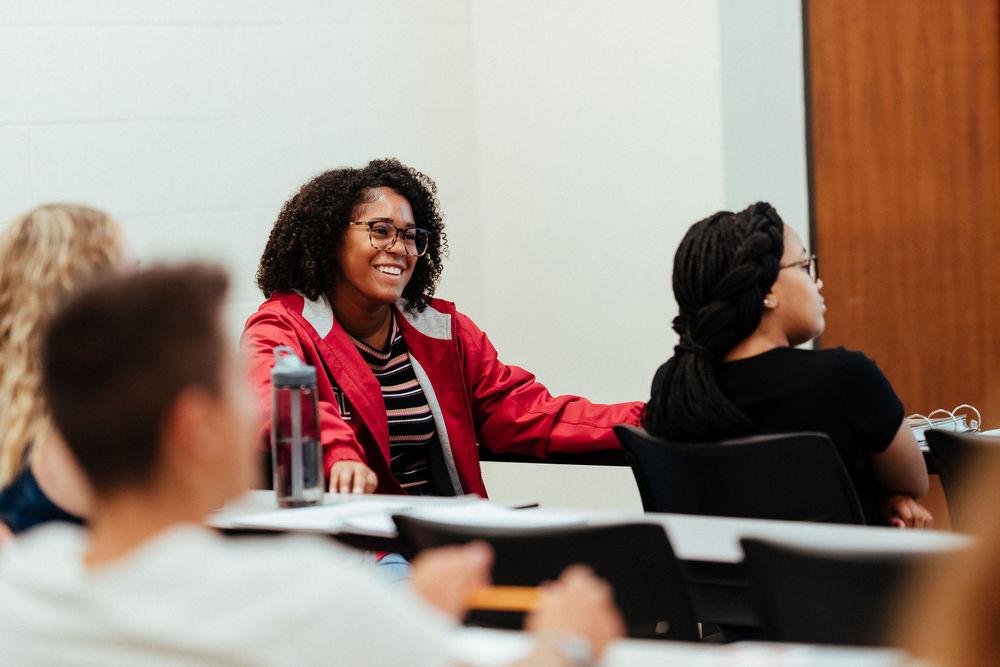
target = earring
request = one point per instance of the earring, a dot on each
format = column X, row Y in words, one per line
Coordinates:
column 767, row 302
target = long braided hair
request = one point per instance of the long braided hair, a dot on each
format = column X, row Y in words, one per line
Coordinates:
column 724, row 267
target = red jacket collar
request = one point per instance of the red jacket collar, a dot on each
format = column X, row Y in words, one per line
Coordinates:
column 429, row 335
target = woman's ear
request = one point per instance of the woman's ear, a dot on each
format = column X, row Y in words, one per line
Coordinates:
column 770, row 301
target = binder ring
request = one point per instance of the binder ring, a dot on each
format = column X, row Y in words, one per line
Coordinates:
column 917, row 417
column 954, row 419
column 976, row 423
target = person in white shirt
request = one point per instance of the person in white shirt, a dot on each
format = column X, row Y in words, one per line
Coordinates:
column 153, row 405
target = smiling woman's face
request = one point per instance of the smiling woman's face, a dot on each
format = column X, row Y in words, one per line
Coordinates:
column 368, row 276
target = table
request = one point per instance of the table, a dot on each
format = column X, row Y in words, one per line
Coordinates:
column 711, row 555
column 708, row 547
column 693, row 537
column 260, row 501
column 479, row 647
column 717, row 539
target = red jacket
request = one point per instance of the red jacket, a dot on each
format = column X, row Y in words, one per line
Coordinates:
column 474, row 397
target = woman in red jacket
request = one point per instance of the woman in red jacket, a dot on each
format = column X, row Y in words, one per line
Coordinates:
column 407, row 384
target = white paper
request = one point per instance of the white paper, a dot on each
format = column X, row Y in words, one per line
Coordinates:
column 380, row 524
column 323, row 518
column 373, row 516
column 478, row 514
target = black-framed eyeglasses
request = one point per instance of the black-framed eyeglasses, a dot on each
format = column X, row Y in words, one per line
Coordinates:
column 383, row 235
column 810, row 264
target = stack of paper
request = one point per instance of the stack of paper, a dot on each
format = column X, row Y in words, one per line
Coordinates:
column 479, row 514
column 374, row 516
column 320, row 518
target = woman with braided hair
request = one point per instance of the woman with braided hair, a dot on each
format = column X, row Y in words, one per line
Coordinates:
column 748, row 294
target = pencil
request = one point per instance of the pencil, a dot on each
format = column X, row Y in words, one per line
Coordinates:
column 504, row 598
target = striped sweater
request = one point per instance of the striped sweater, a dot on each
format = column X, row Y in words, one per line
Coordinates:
column 412, row 433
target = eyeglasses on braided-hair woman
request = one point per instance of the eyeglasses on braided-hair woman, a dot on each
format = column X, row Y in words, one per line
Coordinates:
column 749, row 293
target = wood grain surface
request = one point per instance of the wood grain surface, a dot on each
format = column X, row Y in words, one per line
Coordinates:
column 905, row 174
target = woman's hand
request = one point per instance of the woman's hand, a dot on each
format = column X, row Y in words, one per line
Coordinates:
column 578, row 604
column 5, row 534
column 352, row 477
column 447, row 575
column 904, row 512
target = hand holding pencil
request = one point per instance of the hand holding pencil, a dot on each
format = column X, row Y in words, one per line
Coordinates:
column 578, row 604
column 446, row 576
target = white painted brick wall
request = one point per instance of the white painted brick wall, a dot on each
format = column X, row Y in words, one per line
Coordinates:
column 122, row 167
column 15, row 171
column 573, row 141
column 49, row 75
column 192, row 121
column 168, row 72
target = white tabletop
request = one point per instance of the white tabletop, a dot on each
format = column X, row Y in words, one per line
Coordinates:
column 709, row 538
column 491, row 648
column 702, row 538
column 260, row 500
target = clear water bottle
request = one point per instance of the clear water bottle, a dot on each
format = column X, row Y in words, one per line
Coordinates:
column 296, row 454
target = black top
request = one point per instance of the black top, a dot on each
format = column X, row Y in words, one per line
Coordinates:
column 835, row 391
column 23, row 504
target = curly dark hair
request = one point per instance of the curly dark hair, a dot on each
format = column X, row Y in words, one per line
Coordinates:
column 311, row 226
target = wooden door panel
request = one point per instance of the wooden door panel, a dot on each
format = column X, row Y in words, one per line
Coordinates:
column 905, row 173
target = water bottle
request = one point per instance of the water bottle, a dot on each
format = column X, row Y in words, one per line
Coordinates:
column 296, row 454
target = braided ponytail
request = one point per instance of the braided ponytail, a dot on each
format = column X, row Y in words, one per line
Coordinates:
column 724, row 266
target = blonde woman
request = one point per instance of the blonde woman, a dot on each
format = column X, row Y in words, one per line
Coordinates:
column 46, row 255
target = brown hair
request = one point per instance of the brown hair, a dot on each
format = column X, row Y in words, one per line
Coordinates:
column 116, row 358
column 45, row 255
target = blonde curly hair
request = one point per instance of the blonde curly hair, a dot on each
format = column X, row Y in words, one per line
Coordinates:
column 45, row 255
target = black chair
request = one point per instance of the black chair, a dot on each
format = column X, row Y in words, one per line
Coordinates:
column 789, row 476
column 636, row 559
column 826, row 597
column 953, row 454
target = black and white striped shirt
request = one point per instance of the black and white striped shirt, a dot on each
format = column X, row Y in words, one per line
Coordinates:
column 412, row 432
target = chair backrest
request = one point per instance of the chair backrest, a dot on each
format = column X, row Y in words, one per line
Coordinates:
column 636, row 559
column 825, row 597
column 953, row 453
column 789, row 476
